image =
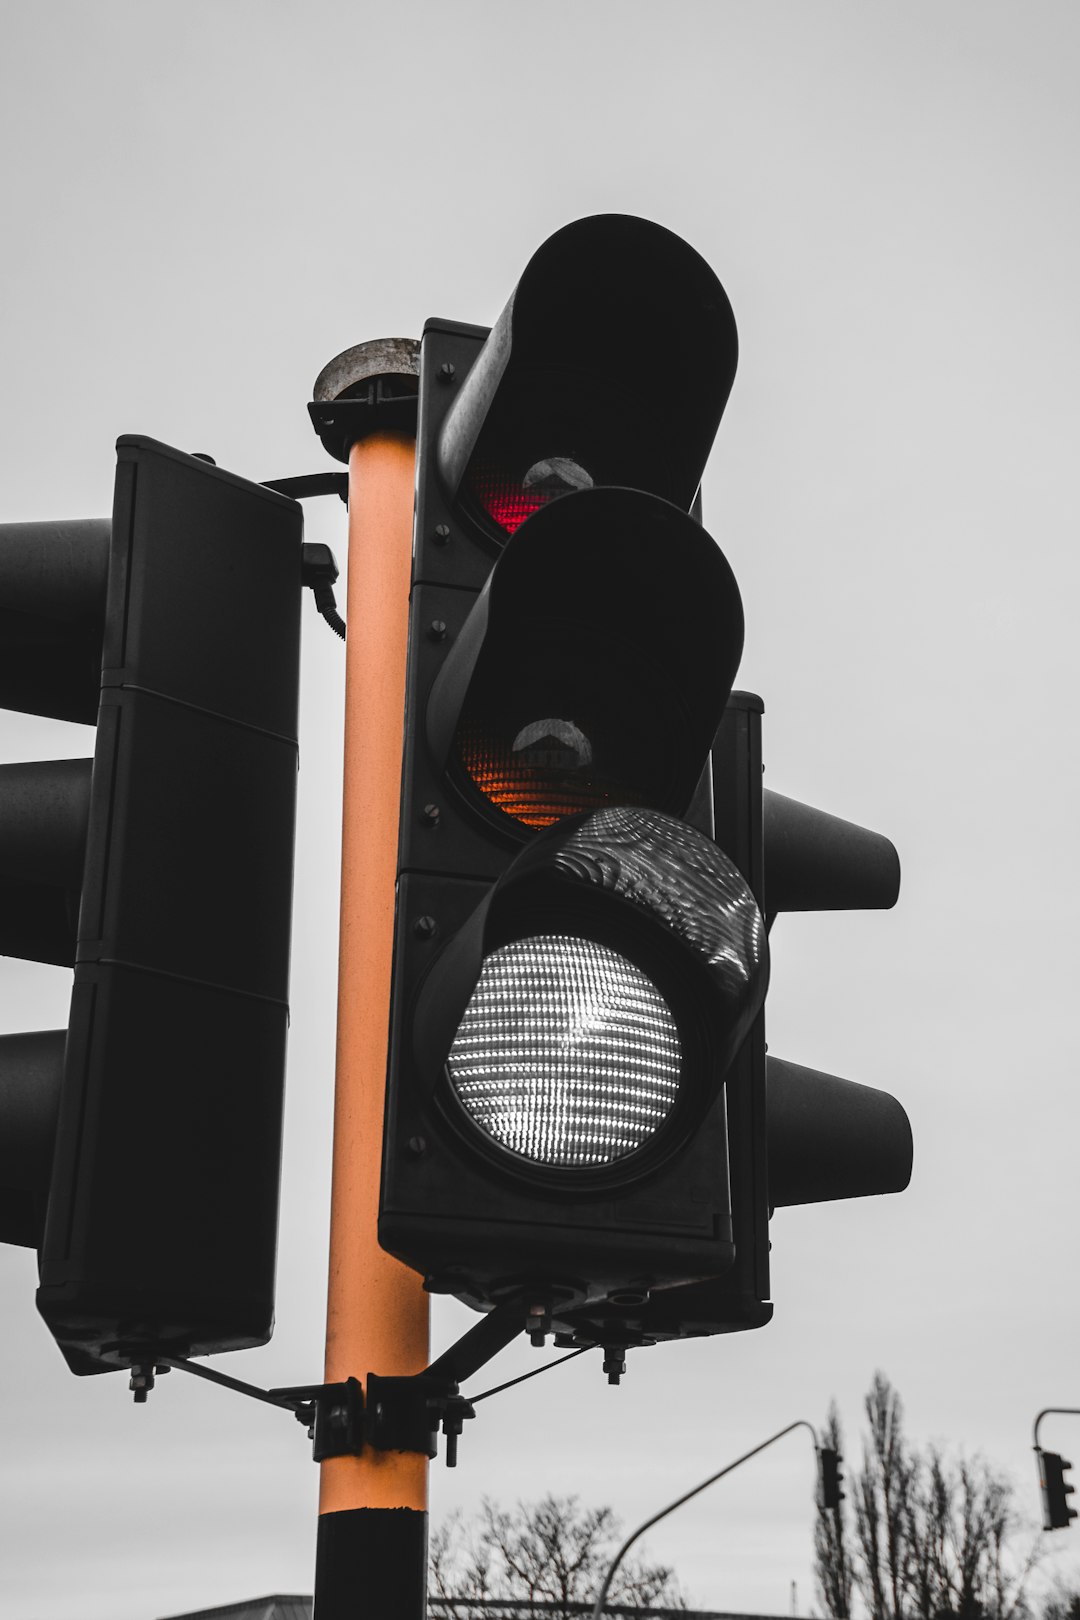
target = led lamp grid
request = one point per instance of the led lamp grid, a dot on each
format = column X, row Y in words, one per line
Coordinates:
column 567, row 1054
column 503, row 496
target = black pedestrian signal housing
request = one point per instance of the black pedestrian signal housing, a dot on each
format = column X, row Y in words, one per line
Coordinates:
column 577, row 1107
column 140, row 1147
column 1058, row 1514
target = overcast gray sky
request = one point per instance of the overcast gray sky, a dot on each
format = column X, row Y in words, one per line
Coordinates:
column 201, row 205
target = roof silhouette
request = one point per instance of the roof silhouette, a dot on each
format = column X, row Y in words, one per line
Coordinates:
column 276, row 1607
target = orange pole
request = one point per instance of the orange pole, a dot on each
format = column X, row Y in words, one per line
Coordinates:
column 377, row 1311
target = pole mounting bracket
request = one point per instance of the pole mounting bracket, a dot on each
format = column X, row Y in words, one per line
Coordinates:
column 395, row 1414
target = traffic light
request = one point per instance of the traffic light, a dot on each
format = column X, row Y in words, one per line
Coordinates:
column 577, row 960
column 140, row 1147
column 579, row 1107
column 830, row 1478
column 1055, row 1490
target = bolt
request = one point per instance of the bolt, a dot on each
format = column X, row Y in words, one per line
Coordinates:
column 537, row 1325
column 441, row 536
column 614, row 1362
column 141, row 1382
column 432, row 814
column 425, row 927
column 447, row 371
column 417, row 1145
column 437, row 630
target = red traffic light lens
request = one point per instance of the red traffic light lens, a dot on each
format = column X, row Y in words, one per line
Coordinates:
column 508, row 498
column 502, row 497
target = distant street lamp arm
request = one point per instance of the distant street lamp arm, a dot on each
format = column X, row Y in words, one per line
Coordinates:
column 1053, row 1411
column 598, row 1607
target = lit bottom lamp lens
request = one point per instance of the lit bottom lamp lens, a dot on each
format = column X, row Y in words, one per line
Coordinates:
column 567, row 1054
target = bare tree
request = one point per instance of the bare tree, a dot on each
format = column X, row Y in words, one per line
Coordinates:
column 1062, row 1604
column 929, row 1535
column 883, row 1506
column 933, row 1540
column 553, row 1551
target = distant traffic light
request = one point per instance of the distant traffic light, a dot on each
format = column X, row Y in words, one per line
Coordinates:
column 141, row 1147
column 830, row 1478
column 578, row 962
column 1056, row 1490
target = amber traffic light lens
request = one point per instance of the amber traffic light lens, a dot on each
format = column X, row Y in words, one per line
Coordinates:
column 565, row 720
column 545, row 772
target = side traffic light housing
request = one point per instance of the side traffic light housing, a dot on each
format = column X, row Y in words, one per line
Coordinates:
column 142, row 1144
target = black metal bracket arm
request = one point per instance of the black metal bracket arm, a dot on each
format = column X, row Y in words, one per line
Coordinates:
column 319, row 567
column 305, row 485
column 398, row 1413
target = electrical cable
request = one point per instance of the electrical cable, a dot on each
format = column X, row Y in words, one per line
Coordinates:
column 473, row 1399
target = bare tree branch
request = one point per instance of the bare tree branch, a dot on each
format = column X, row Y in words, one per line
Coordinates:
column 553, row 1550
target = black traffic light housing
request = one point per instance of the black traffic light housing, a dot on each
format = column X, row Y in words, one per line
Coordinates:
column 1058, row 1514
column 574, row 635
column 162, row 872
column 830, row 1479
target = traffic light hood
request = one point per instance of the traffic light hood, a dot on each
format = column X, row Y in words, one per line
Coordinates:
column 52, row 617
column 595, row 664
column 629, row 926
column 617, row 349
column 818, row 862
column 830, row 1138
column 31, row 1077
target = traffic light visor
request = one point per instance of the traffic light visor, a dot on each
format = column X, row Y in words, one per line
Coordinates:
column 595, row 665
column 612, row 363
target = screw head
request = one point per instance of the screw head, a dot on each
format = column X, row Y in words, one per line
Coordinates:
column 432, row 814
column 425, row 927
column 441, row 534
column 417, row 1145
column 437, row 630
column 447, row 371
